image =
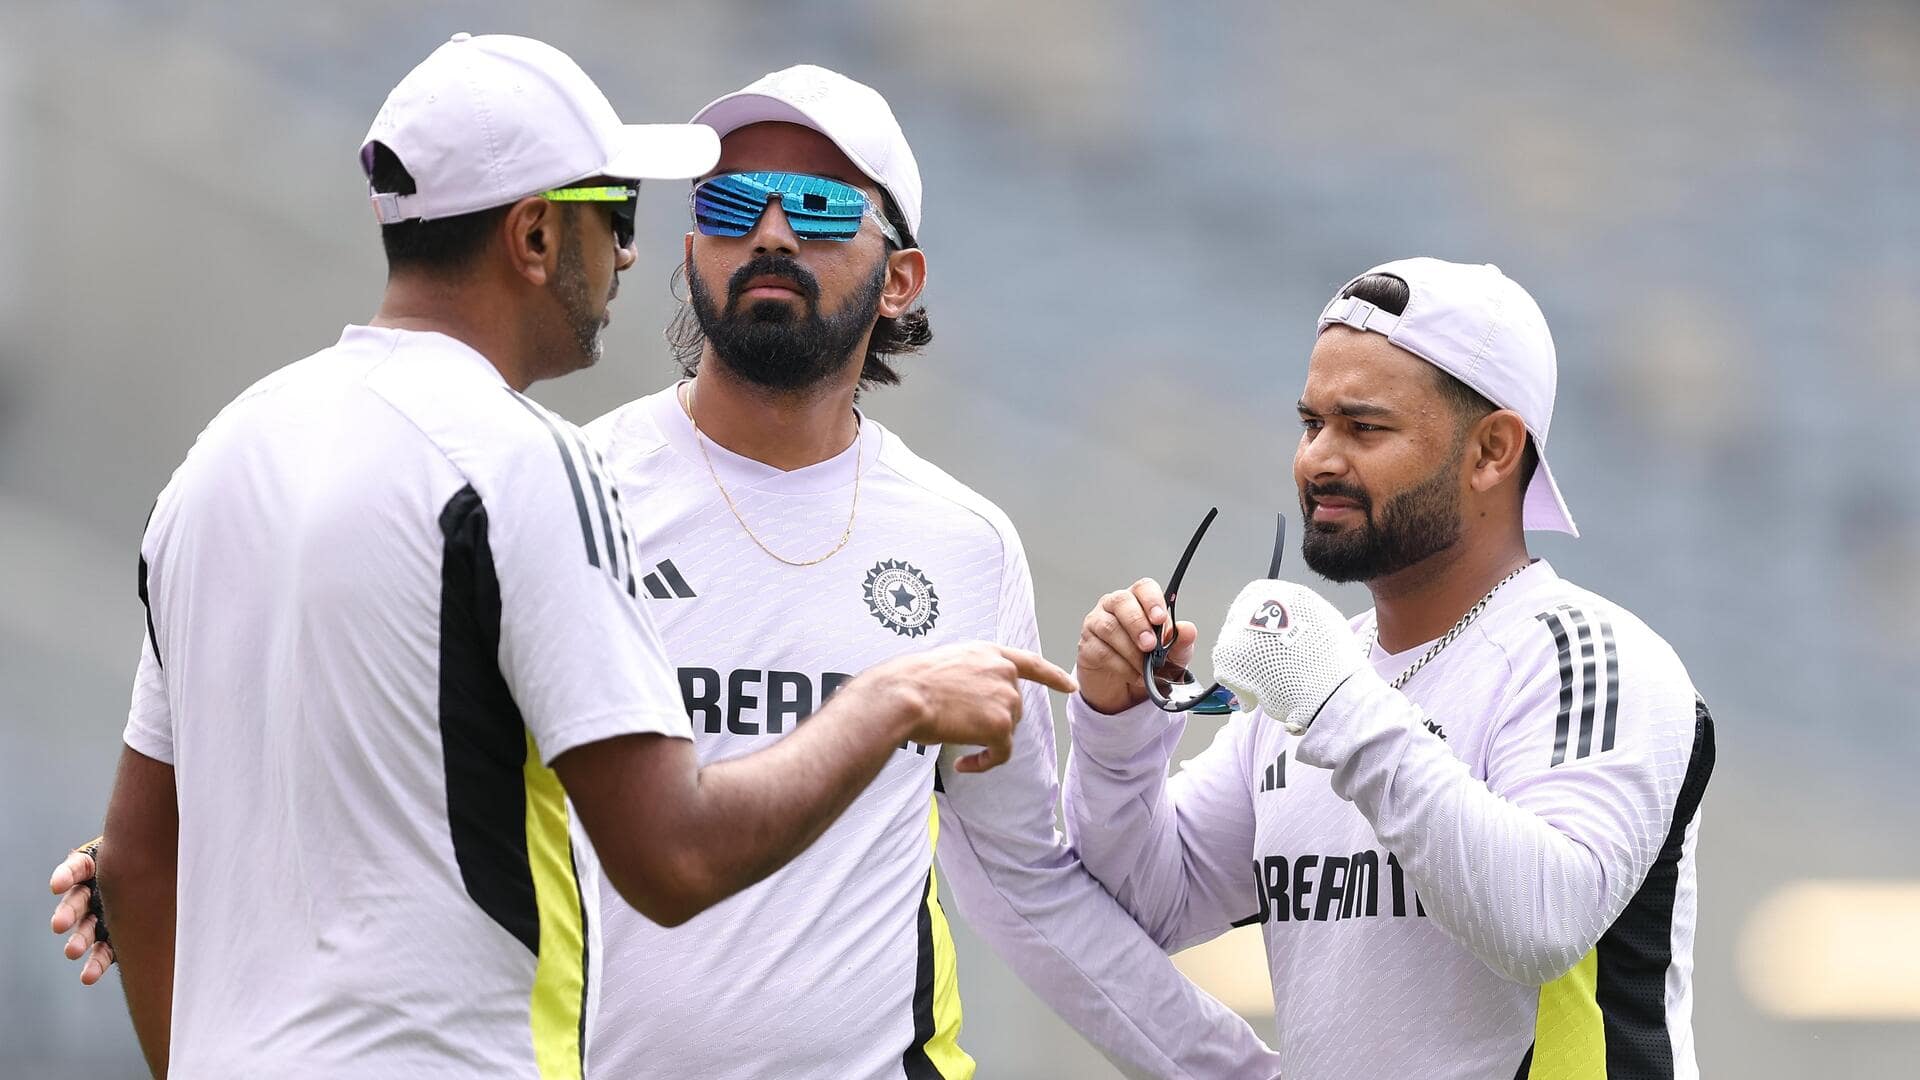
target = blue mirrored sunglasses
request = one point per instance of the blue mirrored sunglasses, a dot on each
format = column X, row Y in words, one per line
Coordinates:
column 817, row 208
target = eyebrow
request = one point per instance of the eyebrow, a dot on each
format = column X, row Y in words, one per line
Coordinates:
column 1349, row 408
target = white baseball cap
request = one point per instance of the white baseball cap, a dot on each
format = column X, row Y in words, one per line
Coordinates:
column 486, row 121
column 852, row 114
column 1475, row 323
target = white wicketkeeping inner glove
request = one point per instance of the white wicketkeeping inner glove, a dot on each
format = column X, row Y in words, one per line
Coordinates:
column 1286, row 649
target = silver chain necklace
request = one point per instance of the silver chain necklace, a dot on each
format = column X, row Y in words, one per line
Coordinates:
column 1446, row 639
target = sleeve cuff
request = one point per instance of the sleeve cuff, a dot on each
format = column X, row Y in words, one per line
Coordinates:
column 1359, row 710
column 142, row 741
column 557, row 741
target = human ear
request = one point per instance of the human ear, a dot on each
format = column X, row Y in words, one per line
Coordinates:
column 906, row 277
column 1498, row 443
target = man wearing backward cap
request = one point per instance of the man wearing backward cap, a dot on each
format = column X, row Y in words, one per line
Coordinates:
column 1465, row 821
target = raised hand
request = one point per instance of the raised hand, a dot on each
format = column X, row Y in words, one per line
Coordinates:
column 1115, row 638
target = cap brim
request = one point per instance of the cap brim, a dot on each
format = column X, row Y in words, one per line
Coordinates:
column 664, row 152
column 1544, row 509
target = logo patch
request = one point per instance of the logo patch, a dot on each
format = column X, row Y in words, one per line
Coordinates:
column 902, row 598
column 1271, row 617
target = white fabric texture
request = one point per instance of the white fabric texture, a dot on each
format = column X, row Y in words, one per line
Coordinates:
column 295, row 683
column 1284, row 648
column 811, row 973
column 1442, row 854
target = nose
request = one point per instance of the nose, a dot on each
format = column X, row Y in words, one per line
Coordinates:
column 773, row 233
column 1318, row 457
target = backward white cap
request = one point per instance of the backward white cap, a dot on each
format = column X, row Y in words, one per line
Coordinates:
column 852, row 114
column 487, row 121
column 1475, row 323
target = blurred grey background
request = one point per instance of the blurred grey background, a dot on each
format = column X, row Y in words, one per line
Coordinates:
column 1134, row 212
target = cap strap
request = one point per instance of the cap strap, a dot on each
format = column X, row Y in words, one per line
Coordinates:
column 1359, row 314
column 389, row 208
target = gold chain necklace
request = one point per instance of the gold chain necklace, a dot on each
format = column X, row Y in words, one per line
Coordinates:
column 700, row 441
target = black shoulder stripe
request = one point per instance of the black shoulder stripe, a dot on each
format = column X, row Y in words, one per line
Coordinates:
column 1597, row 649
column 1561, row 640
column 598, row 483
column 1613, row 685
column 573, row 475
column 147, row 605
column 620, row 518
column 1588, row 677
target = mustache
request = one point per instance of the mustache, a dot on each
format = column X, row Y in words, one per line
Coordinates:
column 1315, row 492
column 773, row 266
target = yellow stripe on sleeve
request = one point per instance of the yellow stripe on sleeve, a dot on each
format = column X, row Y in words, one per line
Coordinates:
column 944, row 1048
column 560, row 976
column 1569, row 1042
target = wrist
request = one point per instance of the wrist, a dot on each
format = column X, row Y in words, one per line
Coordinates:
column 1108, row 702
column 1111, row 696
column 893, row 707
column 1118, row 737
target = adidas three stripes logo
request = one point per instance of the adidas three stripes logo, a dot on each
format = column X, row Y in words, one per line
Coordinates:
column 665, row 583
column 1590, row 675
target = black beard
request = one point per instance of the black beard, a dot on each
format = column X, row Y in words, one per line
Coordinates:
column 771, row 346
column 1415, row 525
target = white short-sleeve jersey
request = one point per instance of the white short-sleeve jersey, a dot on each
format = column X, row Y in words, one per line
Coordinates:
column 840, row 965
column 1491, row 874
column 384, row 592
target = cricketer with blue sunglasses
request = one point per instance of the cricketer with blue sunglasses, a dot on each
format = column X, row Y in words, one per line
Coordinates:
column 807, row 538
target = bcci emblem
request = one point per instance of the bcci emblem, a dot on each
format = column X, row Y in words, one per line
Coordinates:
column 902, row 598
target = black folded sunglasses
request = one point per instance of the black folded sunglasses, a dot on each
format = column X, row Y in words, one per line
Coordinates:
column 1215, row 700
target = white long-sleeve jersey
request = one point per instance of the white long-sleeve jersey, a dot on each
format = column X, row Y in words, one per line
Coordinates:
column 1488, row 875
column 840, row 964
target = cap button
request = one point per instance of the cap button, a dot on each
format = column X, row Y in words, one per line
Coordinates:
column 461, row 36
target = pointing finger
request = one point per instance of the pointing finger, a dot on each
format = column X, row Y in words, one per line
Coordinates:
column 1036, row 668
